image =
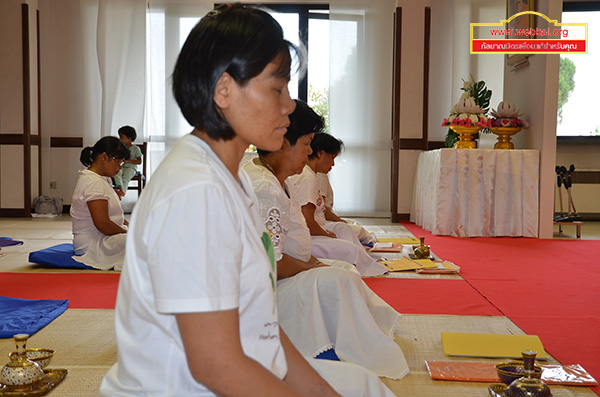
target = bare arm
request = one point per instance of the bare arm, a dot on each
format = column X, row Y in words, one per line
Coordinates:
column 99, row 211
column 331, row 216
column 308, row 210
column 136, row 161
column 301, row 376
column 289, row 266
column 215, row 357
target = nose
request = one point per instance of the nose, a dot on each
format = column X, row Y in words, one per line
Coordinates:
column 308, row 150
column 288, row 104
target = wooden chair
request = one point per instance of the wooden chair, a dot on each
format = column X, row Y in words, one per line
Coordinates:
column 139, row 179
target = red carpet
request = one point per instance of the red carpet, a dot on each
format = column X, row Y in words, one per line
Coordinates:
column 83, row 290
column 413, row 296
column 549, row 288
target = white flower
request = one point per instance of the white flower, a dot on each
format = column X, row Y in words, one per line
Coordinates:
column 506, row 109
column 451, row 118
column 468, row 105
column 463, row 116
column 474, row 119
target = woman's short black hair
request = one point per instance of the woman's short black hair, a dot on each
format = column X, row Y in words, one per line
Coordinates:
column 110, row 145
column 237, row 39
column 326, row 142
column 129, row 132
column 303, row 121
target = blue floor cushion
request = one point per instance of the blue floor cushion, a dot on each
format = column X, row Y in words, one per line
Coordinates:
column 328, row 355
column 57, row 256
column 7, row 242
column 27, row 316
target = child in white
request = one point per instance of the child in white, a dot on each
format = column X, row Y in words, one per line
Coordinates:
column 127, row 135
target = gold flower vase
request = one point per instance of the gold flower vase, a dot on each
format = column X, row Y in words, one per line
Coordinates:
column 465, row 136
column 504, row 136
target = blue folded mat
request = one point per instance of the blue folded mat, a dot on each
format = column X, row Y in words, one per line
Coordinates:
column 7, row 241
column 27, row 316
column 57, row 256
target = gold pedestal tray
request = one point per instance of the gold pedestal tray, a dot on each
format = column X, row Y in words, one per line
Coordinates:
column 465, row 136
column 51, row 379
column 504, row 136
column 497, row 390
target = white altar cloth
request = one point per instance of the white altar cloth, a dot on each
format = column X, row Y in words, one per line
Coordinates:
column 477, row 192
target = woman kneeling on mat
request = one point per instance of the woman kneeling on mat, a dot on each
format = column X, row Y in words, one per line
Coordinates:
column 99, row 225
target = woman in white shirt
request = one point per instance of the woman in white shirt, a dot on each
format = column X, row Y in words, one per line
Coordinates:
column 334, row 303
column 196, row 311
column 99, row 225
column 332, row 239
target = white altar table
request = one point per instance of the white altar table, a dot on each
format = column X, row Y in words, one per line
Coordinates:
column 477, row 192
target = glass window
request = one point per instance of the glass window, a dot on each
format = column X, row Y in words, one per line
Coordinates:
column 578, row 86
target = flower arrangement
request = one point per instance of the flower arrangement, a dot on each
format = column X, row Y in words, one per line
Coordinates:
column 507, row 115
column 470, row 110
column 467, row 113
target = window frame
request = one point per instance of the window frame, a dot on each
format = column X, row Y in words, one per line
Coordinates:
column 304, row 14
column 579, row 6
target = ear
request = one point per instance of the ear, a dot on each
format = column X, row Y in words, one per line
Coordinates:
column 224, row 90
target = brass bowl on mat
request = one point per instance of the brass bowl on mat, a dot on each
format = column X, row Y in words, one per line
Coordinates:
column 513, row 370
column 40, row 356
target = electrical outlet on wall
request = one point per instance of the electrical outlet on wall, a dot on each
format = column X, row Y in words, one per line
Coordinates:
column 53, row 185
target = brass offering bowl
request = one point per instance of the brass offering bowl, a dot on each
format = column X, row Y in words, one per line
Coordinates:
column 37, row 355
column 20, row 372
column 512, row 370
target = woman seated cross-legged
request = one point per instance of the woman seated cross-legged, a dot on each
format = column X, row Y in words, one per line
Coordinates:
column 320, row 306
column 99, row 225
column 330, row 239
column 364, row 236
column 196, row 312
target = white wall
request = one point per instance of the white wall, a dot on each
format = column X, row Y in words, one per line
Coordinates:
column 12, row 114
column 533, row 89
column 63, row 111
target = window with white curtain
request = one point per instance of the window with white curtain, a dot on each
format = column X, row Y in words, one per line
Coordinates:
column 168, row 23
column 349, row 65
column 360, row 109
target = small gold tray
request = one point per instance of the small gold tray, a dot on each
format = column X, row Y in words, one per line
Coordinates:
column 51, row 379
column 497, row 390
column 414, row 257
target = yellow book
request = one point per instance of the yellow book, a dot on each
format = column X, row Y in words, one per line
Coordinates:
column 399, row 265
column 491, row 345
column 426, row 263
column 443, row 267
column 401, row 240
